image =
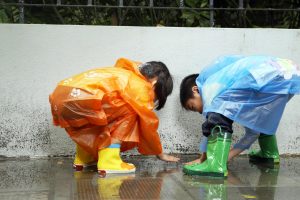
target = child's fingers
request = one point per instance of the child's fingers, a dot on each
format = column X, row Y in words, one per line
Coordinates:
column 176, row 159
column 168, row 158
column 192, row 162
column 173, row 159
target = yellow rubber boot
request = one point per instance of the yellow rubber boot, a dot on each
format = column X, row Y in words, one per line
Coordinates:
column 109, row 161
column 82, row 159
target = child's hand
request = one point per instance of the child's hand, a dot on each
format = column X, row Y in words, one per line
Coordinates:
column 192, row 162
column 168, row 158
column 200, row 160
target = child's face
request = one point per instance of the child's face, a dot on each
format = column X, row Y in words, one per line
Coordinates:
column 195, row 103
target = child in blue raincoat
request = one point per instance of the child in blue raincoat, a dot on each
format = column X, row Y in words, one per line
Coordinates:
column 249, row 90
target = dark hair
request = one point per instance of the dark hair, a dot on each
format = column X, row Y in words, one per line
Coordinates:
column 164, row 85
column 186, row 89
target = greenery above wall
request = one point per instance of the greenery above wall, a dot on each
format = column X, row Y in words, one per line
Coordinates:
column 252, row 14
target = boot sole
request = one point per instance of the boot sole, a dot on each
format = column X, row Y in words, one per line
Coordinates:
column 81, row 167
column 100, row 171
column 257, row 160
column 212, row 174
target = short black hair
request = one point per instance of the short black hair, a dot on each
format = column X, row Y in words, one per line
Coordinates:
column 186, row 89
column 164, row 85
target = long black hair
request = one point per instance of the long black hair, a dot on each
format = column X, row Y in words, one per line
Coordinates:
column 164, row 85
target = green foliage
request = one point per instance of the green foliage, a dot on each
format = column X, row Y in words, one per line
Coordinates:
column 154, row 17
column 3, row 16
column 196, row 18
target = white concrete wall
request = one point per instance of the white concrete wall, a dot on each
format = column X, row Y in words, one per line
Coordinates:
column 33, row 58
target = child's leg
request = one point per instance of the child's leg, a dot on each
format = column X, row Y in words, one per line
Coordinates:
column 233, row 153
column 244, row 143
column 110, row 160
column 268, row 150
column 268, row 143
column 82, row 159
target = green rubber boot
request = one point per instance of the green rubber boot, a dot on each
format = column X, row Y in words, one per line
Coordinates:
column 269, row 150
column 217, row 155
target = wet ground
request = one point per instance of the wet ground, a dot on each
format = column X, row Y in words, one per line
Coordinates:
column 54, row 178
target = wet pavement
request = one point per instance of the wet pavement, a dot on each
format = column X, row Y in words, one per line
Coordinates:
column 54, row 178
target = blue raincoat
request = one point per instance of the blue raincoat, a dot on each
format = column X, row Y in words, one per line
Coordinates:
column 251, row 91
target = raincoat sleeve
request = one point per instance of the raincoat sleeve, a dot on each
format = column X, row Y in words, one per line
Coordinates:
column 139, row 94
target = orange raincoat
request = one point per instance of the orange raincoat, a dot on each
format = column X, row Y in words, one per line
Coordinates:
column 104, row 103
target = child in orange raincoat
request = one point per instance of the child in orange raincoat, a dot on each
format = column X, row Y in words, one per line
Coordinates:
column 108, row 110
